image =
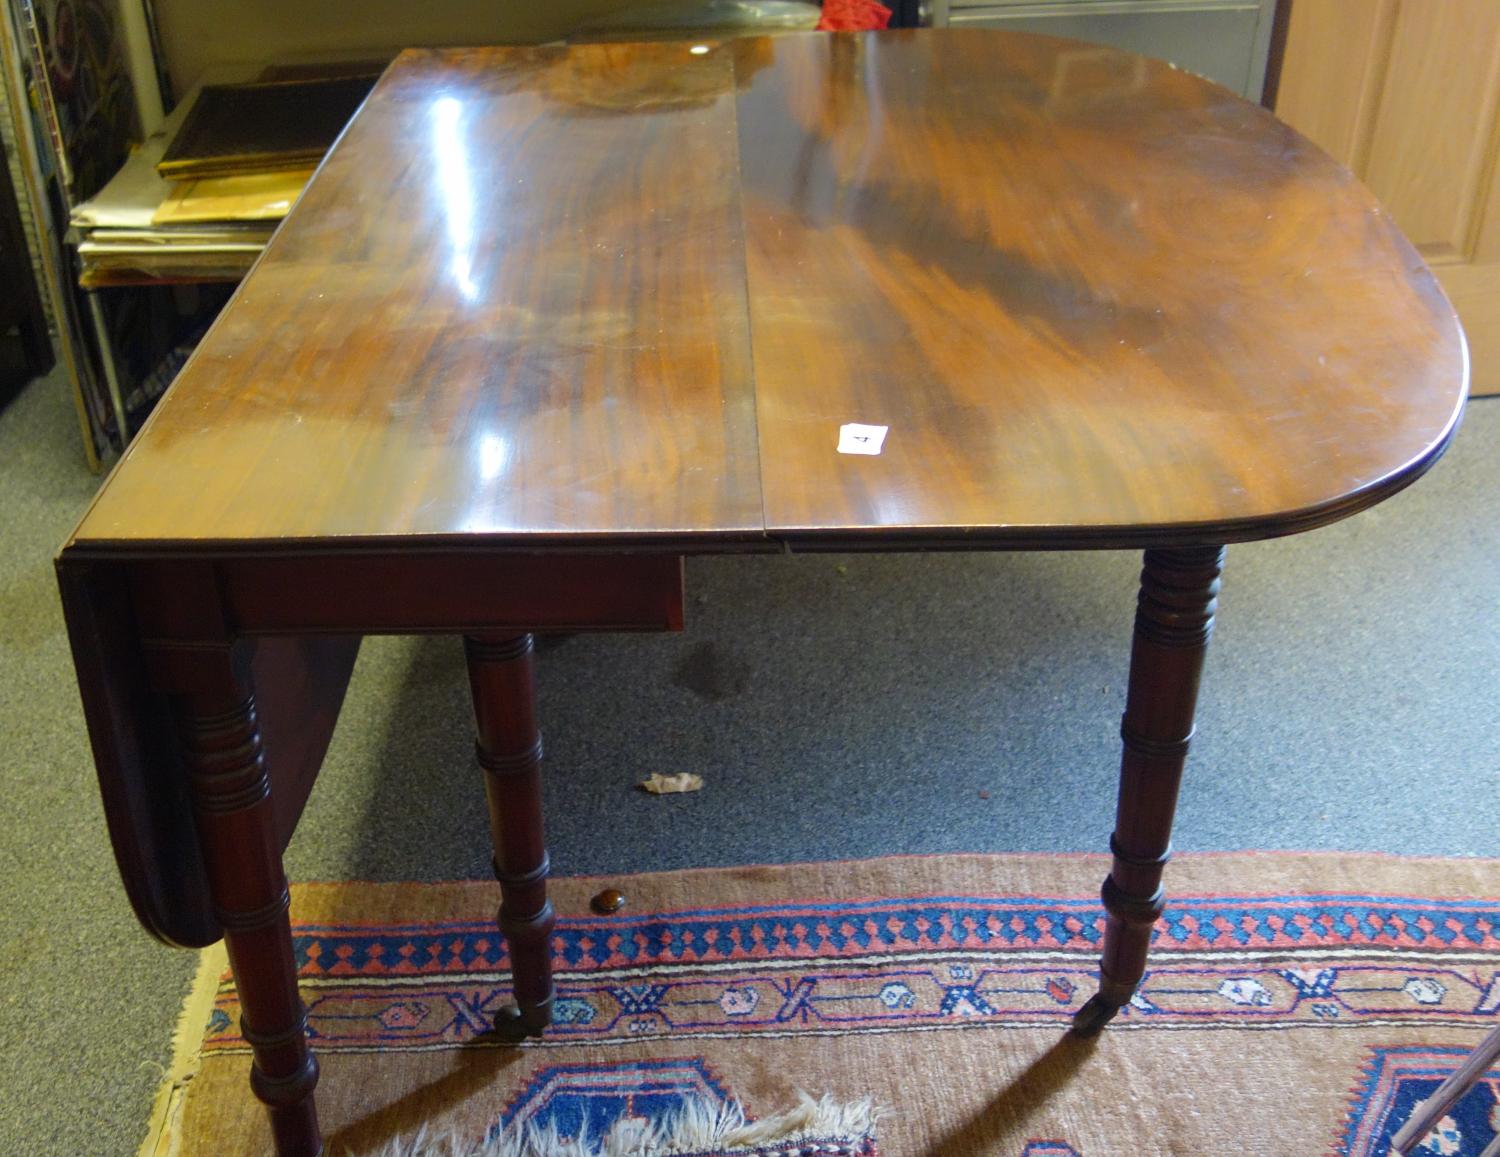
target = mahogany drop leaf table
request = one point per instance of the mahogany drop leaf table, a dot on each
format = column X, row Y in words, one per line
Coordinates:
column 549, row 319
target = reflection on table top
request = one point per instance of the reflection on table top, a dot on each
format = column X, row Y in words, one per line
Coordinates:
column 631, row 293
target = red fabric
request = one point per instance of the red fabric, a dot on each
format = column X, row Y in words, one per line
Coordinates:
column 853, row 16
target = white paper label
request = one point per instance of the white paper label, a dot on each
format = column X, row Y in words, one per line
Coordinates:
column 857, row 439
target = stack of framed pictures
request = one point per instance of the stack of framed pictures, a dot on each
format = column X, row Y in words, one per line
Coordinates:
column 67, row 70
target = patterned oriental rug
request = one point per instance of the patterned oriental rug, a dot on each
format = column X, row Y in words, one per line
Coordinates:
column 1297, row 1004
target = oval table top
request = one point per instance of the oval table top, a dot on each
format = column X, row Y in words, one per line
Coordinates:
column 632, row 294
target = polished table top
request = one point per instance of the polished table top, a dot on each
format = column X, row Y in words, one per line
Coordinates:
column 547, row 319
column 629, row 294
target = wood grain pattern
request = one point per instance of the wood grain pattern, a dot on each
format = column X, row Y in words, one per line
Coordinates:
column 1098, row 302
column 1087, row 293
column 510, row 302
column 495, row 373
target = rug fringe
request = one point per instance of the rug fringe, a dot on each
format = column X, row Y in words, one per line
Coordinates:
column 164, row 1133
column 700, row 1127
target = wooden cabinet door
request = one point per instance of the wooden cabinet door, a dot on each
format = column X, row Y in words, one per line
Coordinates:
column 1224, row 40
column 1405, row 92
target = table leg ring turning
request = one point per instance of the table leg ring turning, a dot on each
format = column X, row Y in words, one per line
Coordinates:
column 231, row 797
column 509, row 750
column 1174, row 619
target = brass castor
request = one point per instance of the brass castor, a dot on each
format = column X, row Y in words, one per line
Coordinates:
column 514, row 1024
column 1093, row 1016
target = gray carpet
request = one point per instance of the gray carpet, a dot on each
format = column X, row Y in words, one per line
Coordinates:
column 836, row 707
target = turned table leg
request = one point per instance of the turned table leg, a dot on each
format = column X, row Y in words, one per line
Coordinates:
column 510, row 752
column 1174, row 618
column 231, row 800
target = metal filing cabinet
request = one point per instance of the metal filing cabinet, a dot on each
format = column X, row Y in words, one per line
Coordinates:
column 1224, row 40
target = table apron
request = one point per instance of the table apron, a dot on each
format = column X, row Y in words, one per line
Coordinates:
column 355, row 594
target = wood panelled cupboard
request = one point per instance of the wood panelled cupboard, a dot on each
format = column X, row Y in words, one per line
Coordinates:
column 1406, row 92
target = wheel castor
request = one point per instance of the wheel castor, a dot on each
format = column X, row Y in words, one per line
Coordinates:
column 1093, row 1016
